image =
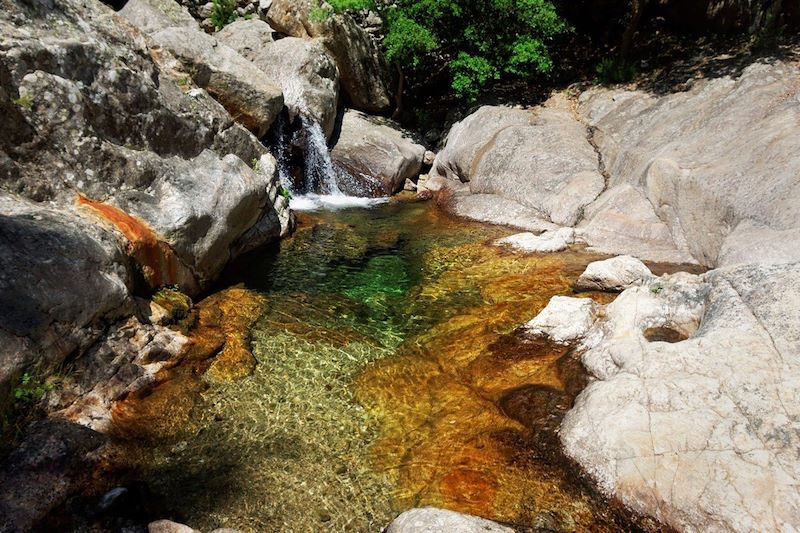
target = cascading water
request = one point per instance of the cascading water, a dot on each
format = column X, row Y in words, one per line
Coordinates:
column 320, row 184
column 320, row 173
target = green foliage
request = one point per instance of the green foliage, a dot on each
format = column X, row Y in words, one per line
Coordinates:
column 223, row 12
column 25, row 100
column 285, row 193
column 319, row 14
column 656, row 289
column 615, row 70
column 351, row 5
column 407, row 41
column 30, row 390
column 478, row 41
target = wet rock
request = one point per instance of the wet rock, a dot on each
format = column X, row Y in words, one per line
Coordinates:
column 565, row 320
column 433, row 520
column 549, row 241
column 615, row 274
column 302, row 68
column 127, row 360
column 376, row 153
column 364, row 72
column 681, row 425
column 244, row 90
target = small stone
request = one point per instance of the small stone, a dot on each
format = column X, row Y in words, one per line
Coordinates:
column 432, row 520
column 549, row 241
column 564, row 320
column 428, row 158
column 168, row 526
column 615, row 274
column 410, row 186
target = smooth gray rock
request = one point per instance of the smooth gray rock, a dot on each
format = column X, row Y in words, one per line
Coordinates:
column 700, row 433
column 540, row 159
column 245, row 91
column 364, row 72
column 623, row 221
column 433, row 520
column 709, row 160
column 615, row 274
column 153, row 15
column 471, row 136
column 376, row 153
column 302, row 68
column 168, row 526
column 62, row 280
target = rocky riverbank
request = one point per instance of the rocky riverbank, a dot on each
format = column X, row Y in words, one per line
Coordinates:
column 133, row 169
column 691, row 414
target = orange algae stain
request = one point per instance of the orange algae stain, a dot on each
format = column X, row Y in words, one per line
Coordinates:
column 218, row 350
column 156, row 259
column 460, row 425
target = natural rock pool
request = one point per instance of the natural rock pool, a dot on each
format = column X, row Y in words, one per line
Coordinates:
column 389, row 376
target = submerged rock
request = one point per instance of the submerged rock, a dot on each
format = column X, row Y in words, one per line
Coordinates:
column 433, row 520
column 615, row 274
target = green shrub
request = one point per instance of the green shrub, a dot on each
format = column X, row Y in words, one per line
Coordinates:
column 319, row 14
column 29, row 390
column 615, row 70
column 478, row 41
column 223, row 12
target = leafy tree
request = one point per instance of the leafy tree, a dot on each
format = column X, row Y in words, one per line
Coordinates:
column 478, row 41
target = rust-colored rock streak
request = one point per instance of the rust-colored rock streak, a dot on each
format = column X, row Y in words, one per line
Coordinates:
column 158, row 263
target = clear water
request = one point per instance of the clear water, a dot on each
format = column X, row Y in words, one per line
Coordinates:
column 389, row 376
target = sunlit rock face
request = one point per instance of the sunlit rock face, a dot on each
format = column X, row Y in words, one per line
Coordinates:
column 707, row 175
column 114, row 161
column 692, row 413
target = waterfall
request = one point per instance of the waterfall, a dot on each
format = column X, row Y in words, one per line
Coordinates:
column 320, row 174
column 298, row 142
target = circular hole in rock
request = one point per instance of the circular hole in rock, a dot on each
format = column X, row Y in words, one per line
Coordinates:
column 664, row 334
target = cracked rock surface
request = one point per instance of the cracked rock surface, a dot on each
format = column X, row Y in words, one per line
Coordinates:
column 693, row 413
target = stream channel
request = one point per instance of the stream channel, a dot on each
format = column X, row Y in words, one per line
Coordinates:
column 390, row 374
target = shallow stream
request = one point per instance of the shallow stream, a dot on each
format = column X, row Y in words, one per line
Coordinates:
column 389, row 375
